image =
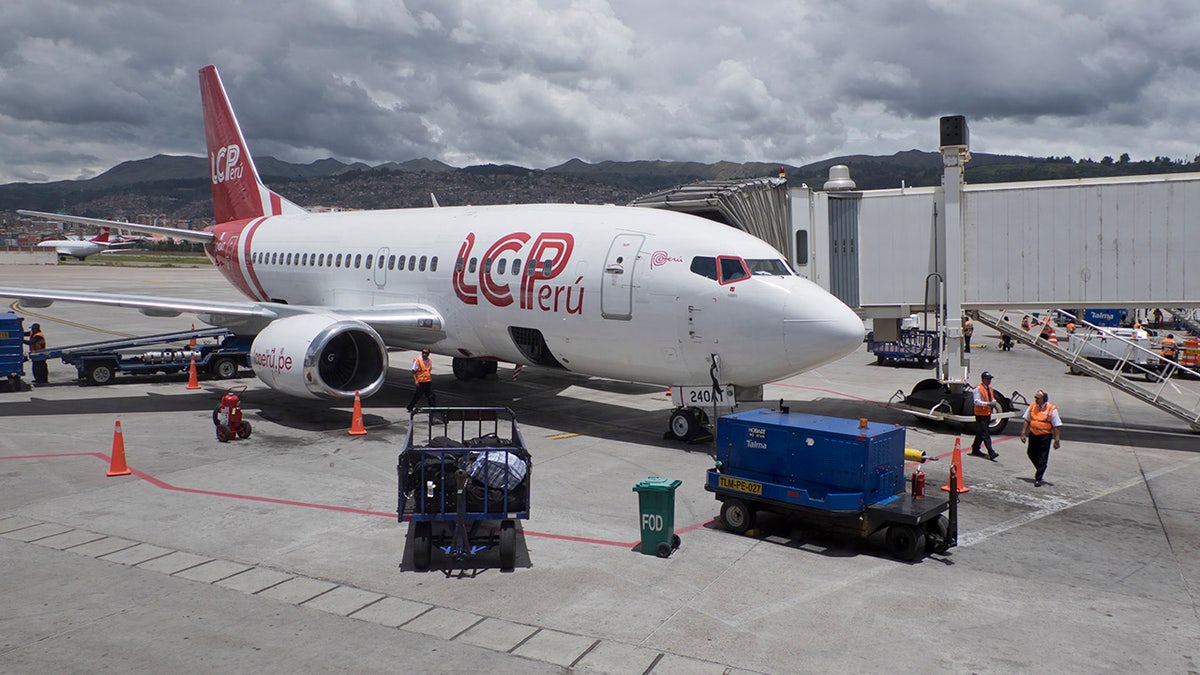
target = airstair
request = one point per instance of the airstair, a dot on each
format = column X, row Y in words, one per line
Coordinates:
column 1137, row 371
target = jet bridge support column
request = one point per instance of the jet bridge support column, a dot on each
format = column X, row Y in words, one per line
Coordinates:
column 955, row 154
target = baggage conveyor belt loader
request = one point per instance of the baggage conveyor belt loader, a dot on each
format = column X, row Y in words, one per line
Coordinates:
column 837, row 475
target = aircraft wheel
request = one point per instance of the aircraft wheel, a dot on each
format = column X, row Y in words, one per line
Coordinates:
column 683, row 424
column 468, row 369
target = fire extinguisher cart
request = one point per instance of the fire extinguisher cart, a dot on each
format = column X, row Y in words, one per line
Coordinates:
column 461, row 468
column 838, row 475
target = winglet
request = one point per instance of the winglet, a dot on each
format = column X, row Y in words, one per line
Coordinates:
column 238, row 193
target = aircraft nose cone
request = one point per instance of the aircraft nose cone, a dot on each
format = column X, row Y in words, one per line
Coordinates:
column 818, row 329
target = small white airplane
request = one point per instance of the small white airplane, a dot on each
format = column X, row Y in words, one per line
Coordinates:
column 625, row 293
column 82, row 248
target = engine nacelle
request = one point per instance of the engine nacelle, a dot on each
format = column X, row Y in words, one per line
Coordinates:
column 320, row 356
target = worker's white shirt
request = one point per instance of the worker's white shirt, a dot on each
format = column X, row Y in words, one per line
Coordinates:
column 1054, row 420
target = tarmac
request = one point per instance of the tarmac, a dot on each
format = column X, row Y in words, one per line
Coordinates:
column 282, row 552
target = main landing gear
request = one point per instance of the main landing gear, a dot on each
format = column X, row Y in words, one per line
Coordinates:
column 690, row 425
column 470, row 369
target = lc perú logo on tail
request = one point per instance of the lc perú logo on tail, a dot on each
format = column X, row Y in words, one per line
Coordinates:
column 544, row 260
column 223, row 164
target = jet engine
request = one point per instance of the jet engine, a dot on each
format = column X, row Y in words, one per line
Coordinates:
column 320, row 356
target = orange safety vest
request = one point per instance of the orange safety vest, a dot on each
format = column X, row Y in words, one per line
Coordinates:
column 423, row 369
column 968, row 329
column 988, row 396
column 37, row 341
column 1169, row 349
column 1039, row 420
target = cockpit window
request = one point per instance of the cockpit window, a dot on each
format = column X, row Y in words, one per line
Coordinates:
column 705, row 266
column 732, row 269
column 773, row 267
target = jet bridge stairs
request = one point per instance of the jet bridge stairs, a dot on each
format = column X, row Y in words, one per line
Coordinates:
column 1166, row 385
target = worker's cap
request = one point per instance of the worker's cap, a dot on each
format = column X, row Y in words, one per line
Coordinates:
column 425, row 352
column 986, row 375
column 36, row 326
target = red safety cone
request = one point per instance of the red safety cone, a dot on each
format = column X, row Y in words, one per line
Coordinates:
column 956, row 461
column 116, row 465
column 356, row 422
column 193, row 381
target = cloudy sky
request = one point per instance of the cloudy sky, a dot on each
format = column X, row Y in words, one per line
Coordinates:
column 86, row 84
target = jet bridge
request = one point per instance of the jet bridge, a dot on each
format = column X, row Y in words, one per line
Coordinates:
column 1166, row 385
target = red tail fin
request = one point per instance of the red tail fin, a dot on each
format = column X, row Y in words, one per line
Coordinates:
column 101, row 238
column 238, row 193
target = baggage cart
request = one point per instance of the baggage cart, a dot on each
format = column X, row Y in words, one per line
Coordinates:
column 460, row 471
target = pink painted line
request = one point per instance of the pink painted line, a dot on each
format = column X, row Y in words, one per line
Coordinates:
column 311, row 505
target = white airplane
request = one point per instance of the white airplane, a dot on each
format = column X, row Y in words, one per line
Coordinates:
column 82, row 248
column 626, row 293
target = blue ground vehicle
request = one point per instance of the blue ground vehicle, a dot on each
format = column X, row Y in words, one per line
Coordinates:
column 12, row 351
column 462, row 467
column 835, row 474
column 99, row 362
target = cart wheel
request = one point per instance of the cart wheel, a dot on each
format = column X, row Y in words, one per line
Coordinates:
column 100, row 373
column 244, row 431
column 937, row 535
column 683, row 424
column 675, row 541
column 224, row 368
column 736, row 516
column 906, row 541
column 223, row 433
column 508, row 545
column 663, row 550
column 422, row 544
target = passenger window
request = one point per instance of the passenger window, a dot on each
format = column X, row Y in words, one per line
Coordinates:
column 732, row 269
column 391, row 262
column 304, row 260
column 471, row 266
column 487, row 265
column 500, row 265
column 339, row 261
column 358, row 261
column 546, row 268
column 516, row 268
column 705, row 266
column 412, row 263
column 433, row 264
column 421, row 267
column 458, row 265
column 321, row 260
column 370, row 259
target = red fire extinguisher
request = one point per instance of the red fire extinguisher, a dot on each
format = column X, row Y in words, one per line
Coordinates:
column 918, row 483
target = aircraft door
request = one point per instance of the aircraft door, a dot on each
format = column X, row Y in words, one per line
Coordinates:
column 381, row 267
column 616, row 288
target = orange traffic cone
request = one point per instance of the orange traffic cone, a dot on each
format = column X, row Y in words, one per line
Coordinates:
column 192, row 342
column 116, row 466
column 193, row 381
column 1053, row 338
column 356, row 422
column 956, row 462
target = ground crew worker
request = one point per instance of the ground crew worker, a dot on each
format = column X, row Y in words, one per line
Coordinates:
column 1041, row 425
column 1025, row 323
column 985, row 402
column 1071, row 327
column 968, row 331
column 1169, row 348
column 37, row 342
column 1158, row 316
column 422, row 370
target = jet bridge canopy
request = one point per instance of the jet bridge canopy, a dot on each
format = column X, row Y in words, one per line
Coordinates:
column 759, row 206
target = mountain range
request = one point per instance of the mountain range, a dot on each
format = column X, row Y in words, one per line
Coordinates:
column 177, row 187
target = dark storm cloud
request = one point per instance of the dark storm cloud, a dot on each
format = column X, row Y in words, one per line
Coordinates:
column 538, row 82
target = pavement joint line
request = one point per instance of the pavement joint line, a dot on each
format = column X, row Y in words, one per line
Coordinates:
column 85, row 543
column 327, row 590
column 373, row 602
column 527, row 639
column 267, row 588
column 18, row 529
column 654, row 663
column 192, row 567
column 125, row 548
column 229, row 576
column 595, row 643
column 459, row 633
column 428, row 610
column 34, row 541
column 150, row 559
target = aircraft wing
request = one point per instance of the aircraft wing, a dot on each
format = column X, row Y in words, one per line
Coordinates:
column 400, row 325
column 199, row 236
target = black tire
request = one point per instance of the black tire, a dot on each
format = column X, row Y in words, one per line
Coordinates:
column 490, row 368
column 906, row 542
column 100, row 373
column 462, row 369
column 663, row 550
column 683, row 424
column 675, row 541
column 216, row 410
column 223, row 433
column 937, row 535
column 244, row 430
column 422, row 544
column 223, row 368
column 736, row 516
column 508, row 545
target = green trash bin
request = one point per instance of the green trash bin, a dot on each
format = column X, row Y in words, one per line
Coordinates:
column 656, row 505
